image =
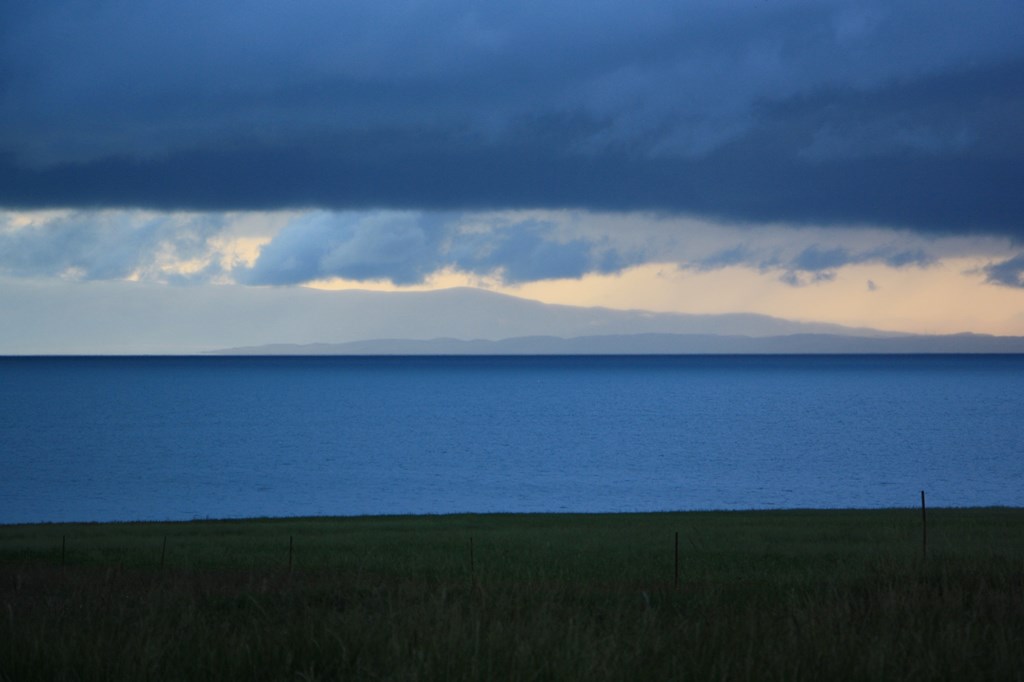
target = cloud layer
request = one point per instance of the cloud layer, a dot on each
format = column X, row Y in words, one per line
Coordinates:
column 406, row 248
column 400, row 247
column 109, row 245
column 812, row 264
column 412, row 247
column 832, row 112
column 1009, row 272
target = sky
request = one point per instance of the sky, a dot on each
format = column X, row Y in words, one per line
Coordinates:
column 860, row 163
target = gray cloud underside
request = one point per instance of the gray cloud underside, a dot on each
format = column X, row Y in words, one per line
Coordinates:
column 400, row 247
column 406, row 248
column 829, row 112
column 1009, row 272
column 107, row 245
column 815, row 264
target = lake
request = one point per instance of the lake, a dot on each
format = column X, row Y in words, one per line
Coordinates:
column 155, row 438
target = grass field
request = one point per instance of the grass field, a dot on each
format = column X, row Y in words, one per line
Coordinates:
column 762, row 595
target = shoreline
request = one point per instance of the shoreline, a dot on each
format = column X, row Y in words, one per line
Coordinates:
column 505, row 515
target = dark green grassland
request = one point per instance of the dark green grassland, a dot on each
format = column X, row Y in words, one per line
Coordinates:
column 762, row 595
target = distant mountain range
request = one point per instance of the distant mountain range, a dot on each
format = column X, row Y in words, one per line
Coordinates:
column 116, row 318
column 653, row 344
column 467, row 313
column 476, row 322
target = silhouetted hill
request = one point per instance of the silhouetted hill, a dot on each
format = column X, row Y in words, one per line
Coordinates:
column 654, row 344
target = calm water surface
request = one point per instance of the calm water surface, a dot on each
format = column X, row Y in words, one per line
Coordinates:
column 94, row 439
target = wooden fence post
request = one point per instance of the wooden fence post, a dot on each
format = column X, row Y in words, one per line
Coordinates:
column 676, row 579
column 924, row 528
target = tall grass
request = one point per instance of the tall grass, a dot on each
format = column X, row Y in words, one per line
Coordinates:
column 763, row 595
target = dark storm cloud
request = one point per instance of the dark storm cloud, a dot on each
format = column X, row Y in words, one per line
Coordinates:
column 405, row 248
column 905, row 114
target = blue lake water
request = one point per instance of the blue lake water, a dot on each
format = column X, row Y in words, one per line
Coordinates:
column 95, row 439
